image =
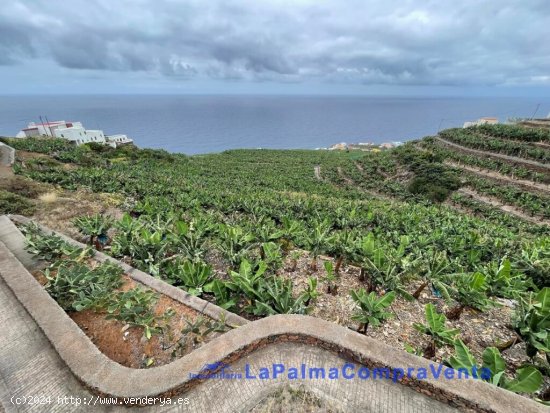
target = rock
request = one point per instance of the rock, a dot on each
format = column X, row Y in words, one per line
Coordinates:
column 506, row 302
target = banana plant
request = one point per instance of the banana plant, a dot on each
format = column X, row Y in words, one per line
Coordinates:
column 266, row 231
column 532, row 322
column 271, row 254
column 247, row 281
column 387, row 266
column 534, row 260
column 468, row 289
column 50, row 248
column 330, row 278
column 96, row 227
column 371, row 309
column 135, row 307
column 291, row 229
column 310, row 293
column 192, row 276
column 435, row 327
column 527, row 380
column 343, row 247
column 234, row 243
column 435, row 265
column 222, row 293
column 317, row 241
column 294, row 256
column 75, row 286
column 200, row 328
column 189, row 239
column 504, row 281
column 277, row 298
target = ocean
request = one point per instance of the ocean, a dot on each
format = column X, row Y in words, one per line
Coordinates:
column 203, row 124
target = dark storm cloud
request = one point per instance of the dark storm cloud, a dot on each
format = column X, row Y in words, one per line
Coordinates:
column 15, row 43
column 383, row 42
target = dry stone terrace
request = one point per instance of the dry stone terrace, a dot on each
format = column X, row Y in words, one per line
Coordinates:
column 43, row 353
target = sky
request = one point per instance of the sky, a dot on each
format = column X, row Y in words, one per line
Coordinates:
column 363, row 47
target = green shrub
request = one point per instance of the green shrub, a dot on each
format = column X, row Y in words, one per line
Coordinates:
column 426, row 188
column 11, row 203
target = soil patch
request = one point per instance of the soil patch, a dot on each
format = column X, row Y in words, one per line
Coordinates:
column 288, row 399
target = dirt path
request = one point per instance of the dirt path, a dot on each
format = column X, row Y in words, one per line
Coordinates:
column 532, row 164
column 539, row 123
column 5, row 172
column 503, row 207
column 344, row 177
column 317, row 171
column 350, row 181
column 540, row 144
column 359, row 166
column 500, row 177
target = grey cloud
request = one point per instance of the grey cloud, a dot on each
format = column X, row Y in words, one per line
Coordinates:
column 362, row 41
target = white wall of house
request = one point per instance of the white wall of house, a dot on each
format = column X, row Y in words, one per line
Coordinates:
column 95, row 136
column 79, row 135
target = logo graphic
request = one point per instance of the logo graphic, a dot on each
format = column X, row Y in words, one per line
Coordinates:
column 217, row 370
column 210, row 368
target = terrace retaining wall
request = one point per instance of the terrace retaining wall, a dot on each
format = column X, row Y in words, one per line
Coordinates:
column 7, row 155
column 104, row 376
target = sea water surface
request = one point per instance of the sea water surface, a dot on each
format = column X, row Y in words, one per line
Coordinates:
column 200, row 124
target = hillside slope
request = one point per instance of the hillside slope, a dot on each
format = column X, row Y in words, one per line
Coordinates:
column 417, row 220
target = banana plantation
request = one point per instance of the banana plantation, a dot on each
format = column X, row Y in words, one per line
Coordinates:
column 239, row 228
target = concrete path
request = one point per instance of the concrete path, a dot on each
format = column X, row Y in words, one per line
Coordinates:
column 30, row 366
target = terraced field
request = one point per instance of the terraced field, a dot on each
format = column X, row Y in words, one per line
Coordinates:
column 453, row 230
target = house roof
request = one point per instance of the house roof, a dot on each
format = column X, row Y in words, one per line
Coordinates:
column 48, row 124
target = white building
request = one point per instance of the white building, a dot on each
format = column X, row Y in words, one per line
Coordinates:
column 481, row 121
column 79, row 135
column 43, row 128
column 72, row 131
column 117, row 140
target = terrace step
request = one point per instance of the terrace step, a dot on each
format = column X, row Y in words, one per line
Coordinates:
column 526, row 162
column 31, row 366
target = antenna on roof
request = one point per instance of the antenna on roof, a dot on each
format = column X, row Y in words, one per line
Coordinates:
column 42, row 122
column 48, row 123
